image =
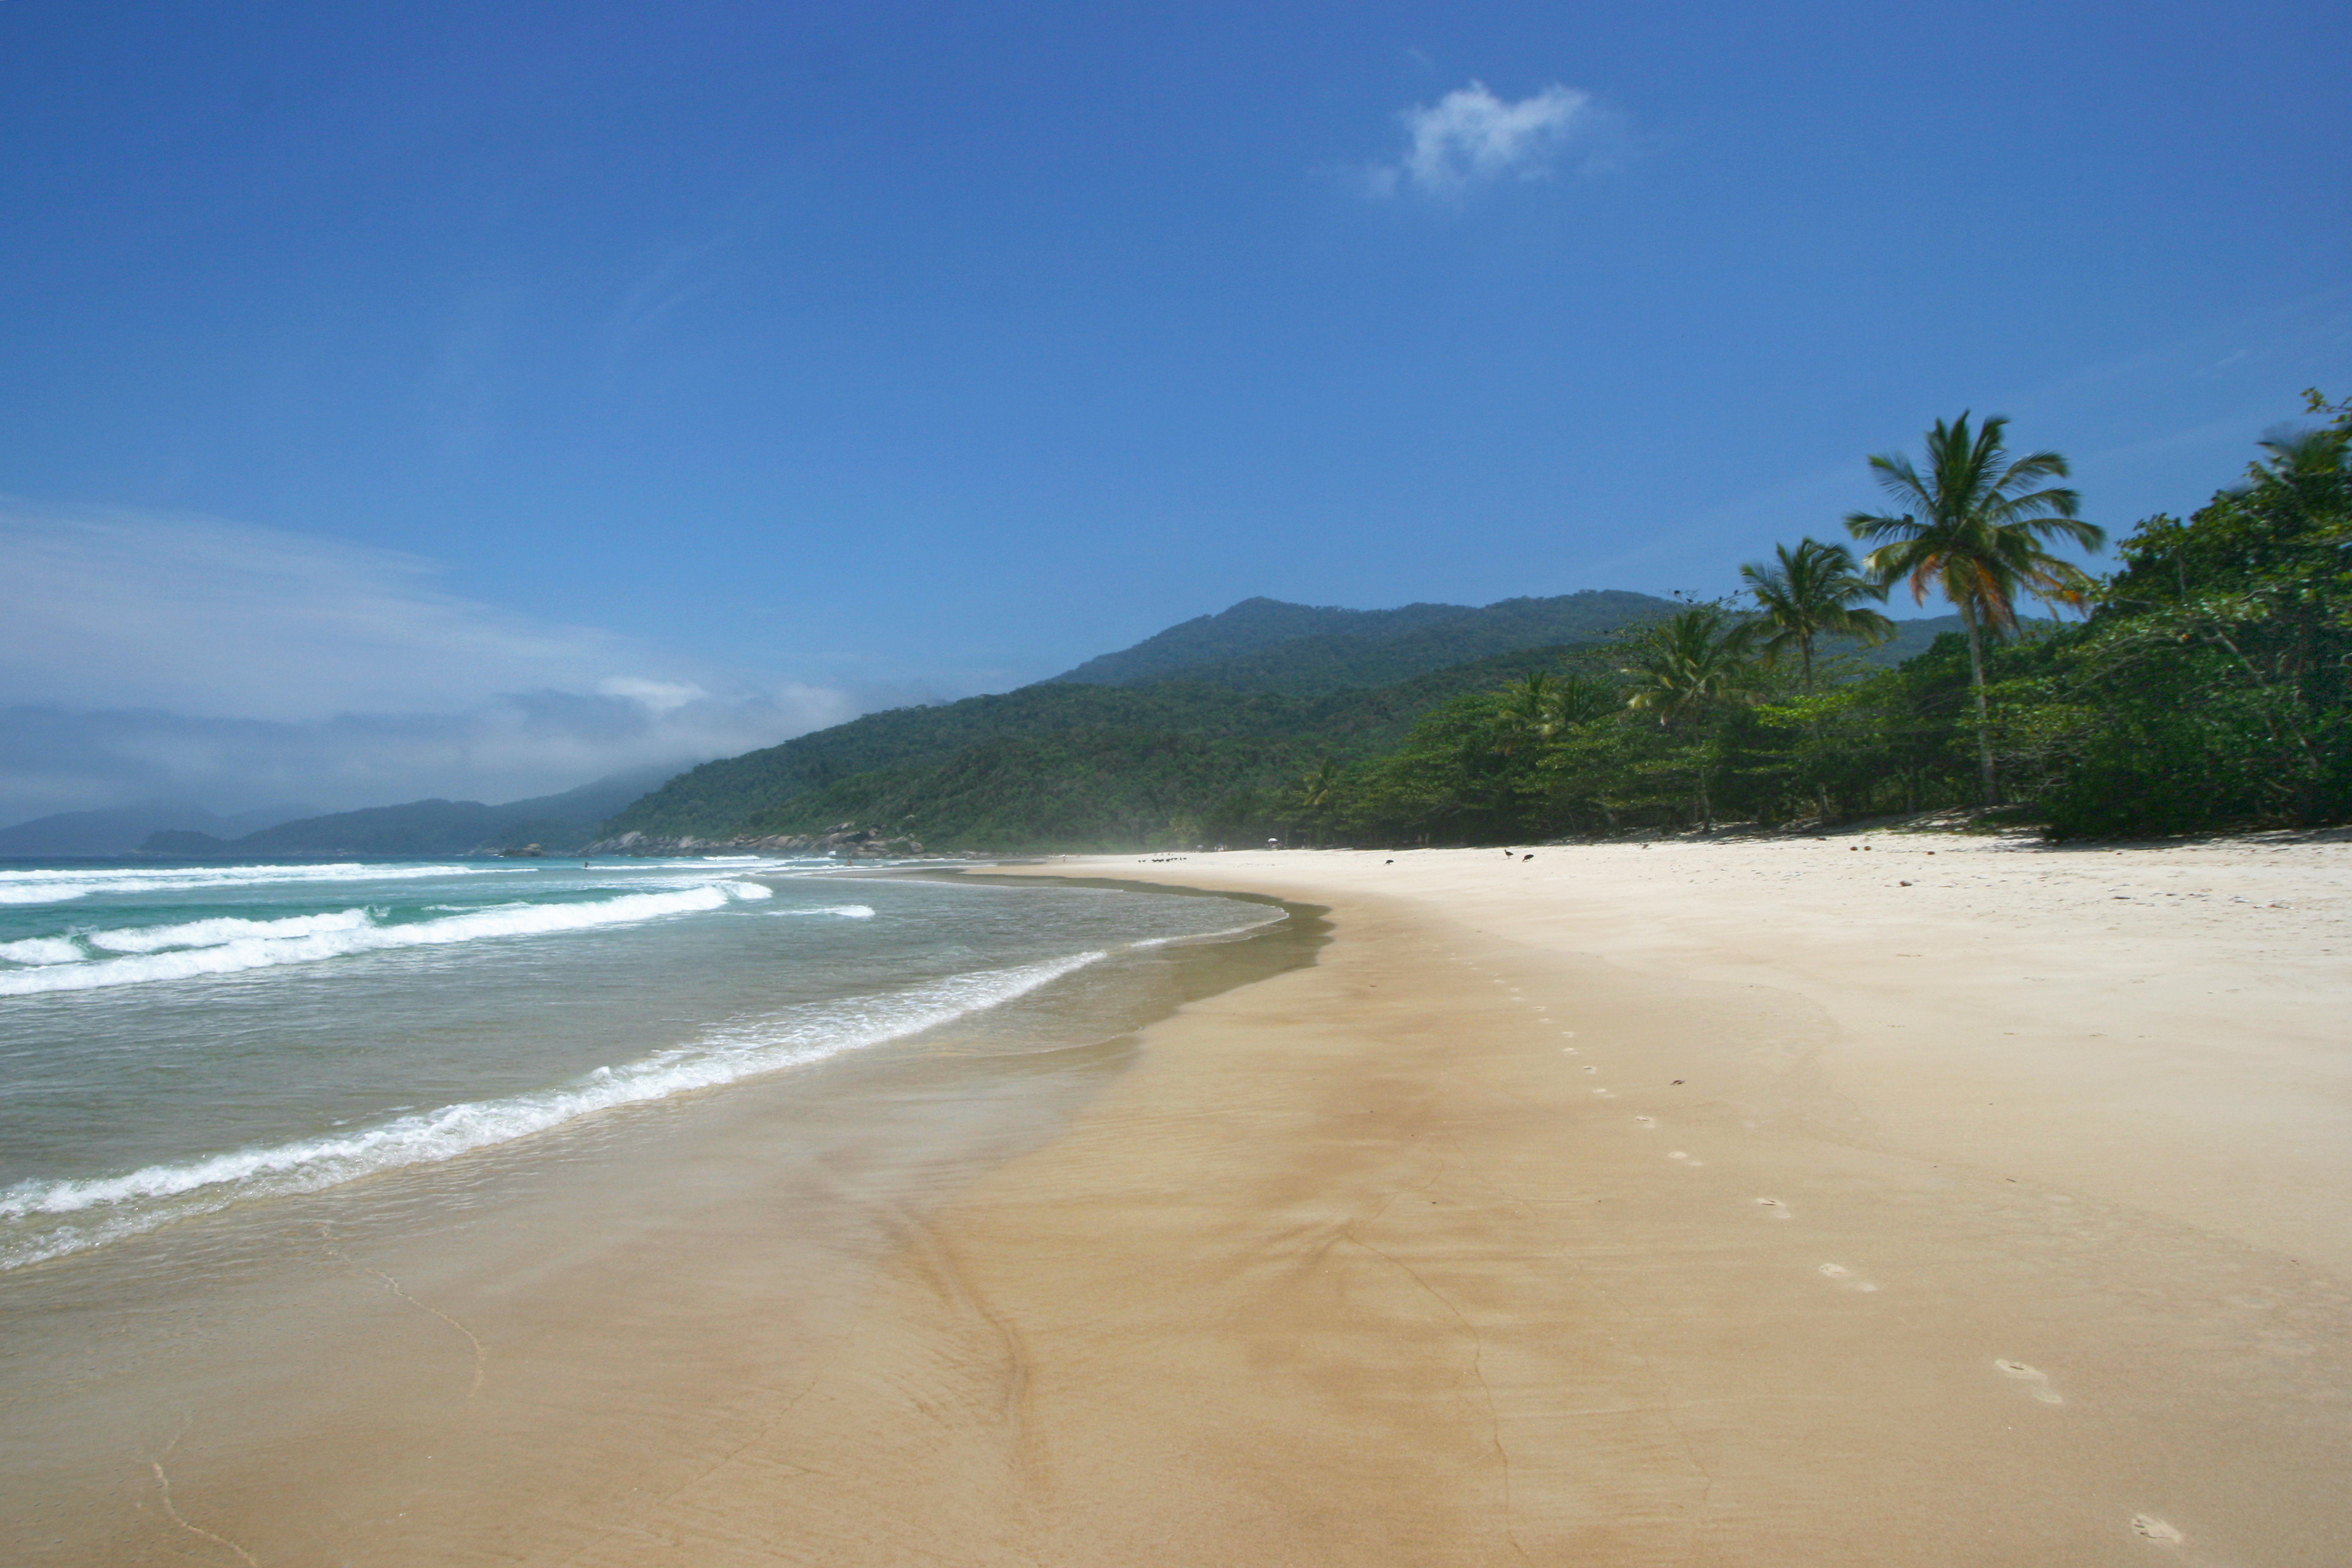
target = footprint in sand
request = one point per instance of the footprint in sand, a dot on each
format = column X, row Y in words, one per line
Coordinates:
column 1676, row 1154
column 1846, row 1278
column 1590, row 1069
column 1647, row 1121
column 2035, row 1376
column 2154, row 1529
column 1779, row 1210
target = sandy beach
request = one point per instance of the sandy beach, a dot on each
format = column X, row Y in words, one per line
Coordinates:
column 1877, row 1200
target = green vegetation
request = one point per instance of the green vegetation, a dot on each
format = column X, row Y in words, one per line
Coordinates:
column 1062, row 766
column 1263, row 644
column 1810, row 594
column 2208, row 685
column 1978, row 536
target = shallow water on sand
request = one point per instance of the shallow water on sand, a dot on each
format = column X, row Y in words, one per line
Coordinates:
column 177, row 1041
column 437, row 1250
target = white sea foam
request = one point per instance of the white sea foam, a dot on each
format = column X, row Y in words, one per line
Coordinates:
column 222, row 930
column 1272, row 917
column 55, row 886
column 53, row 1217
column 846, row 912
column 234, row 953
column 42, row 950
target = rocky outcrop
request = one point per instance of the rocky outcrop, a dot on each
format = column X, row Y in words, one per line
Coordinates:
column 847, row 840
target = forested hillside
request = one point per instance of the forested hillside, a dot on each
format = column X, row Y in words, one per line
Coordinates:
column 1245, row 627
column 1003, row 771
column 2208, row 684
column 1263, row 644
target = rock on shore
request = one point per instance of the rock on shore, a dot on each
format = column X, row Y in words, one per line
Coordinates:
column 847, row 840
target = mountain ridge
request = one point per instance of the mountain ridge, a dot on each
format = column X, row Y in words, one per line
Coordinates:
column 114, row 830
column 426, row 829
column 1262, row 644
column 1109, row 758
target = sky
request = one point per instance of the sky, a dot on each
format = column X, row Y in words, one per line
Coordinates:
column 471, row 400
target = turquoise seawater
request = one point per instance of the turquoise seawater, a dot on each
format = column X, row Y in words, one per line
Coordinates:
column 175, row 1042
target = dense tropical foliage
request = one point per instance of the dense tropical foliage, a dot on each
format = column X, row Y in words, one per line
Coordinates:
column 2206, row 683
column 1976, row 526
column 2209, row 685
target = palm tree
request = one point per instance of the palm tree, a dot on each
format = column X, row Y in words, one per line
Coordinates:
column 1975, row 526
column 1529, row 712
column 1582, row 698
column 1318, row 791
column 1811, row 594
column 1693, row 660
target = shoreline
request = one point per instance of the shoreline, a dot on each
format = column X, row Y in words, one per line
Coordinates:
column 1758, row 1205
column 510, row 1355
column 1761, row 1205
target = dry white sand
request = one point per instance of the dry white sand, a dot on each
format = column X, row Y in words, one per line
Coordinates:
column 1783, row 1203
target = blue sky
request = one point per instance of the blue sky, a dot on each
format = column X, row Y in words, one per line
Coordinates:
column 718, row 370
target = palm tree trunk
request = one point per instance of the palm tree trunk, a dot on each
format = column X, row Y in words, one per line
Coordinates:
column 1976, row 686
column 1820, row 789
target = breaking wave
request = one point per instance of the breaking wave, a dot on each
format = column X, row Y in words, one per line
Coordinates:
column 228, row 944
column 58, row 886
column 43, row 1219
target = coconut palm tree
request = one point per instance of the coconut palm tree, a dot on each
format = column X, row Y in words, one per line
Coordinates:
column 1529, row 713
column 1319, row 793
column 1975, row 525
column 1691, row 661
column 1810, row 594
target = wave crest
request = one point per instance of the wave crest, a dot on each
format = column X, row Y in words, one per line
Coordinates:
column 214, row 947
column 55, row 1217
column 50, row 887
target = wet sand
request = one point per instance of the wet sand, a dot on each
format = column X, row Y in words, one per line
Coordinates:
column 528, row 1354
column 1784, row 1204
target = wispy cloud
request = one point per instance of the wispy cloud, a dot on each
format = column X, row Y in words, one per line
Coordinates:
column 508, row 747
column 1470, row 137
column 156, row 654
column 113, row 608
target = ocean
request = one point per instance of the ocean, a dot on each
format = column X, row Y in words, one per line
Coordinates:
column 296, row 1159
column 176, row 1040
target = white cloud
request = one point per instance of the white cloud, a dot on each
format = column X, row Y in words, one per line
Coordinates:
column 529, row 743
column 661, row 696
column 147, row 609
column 1471, row 137
column 153, row 655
